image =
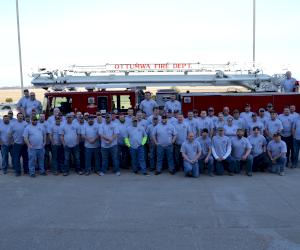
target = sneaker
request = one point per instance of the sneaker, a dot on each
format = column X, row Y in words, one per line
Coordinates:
column 249, row 174
column 32, row 175
column 87, row 173
column 231, row 174
column 4, row 171
column 118, row 173
column 17, row 174
column 101, row 174
column 79, row 172
column 136, row 172
column 281, row 173
column 211, row 175
column 157, row 173
column 55, row 173
column 146, row 174
column 43, row 174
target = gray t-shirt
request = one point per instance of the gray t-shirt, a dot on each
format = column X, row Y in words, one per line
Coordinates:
column 164, row 134
column 258, row 143
column 35, row 135
column 191, row 149
column 204, row 123
column 288, row 85
column 108, row 130
column 17, row 130
column 135, row 135
column 182, row 132
column 205, row 145
column 70, row 133
column 5, row 133
column 90, row 132
column 277, row 148
column 296, row 126
column 252, row 124
column 192, row 125
column 54, row 131
column 221, row 146
column 274, row 126
column 122, row 127
column 172, row 105
column 239, row 147
column 147, row 106
column 287, row 124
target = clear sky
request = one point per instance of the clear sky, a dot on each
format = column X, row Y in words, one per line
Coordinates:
column 57, row 33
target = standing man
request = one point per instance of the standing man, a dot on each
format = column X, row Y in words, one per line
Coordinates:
column 57, row 160
column 109, row 133
column 135, row 140
column 148, row 104
column 254, row 122
column 191, row 152
column 206, row 158
column 221, row 150
column 274, row 125
column 192, row 123
column 152, row 145
column 211, row 115
column 247, row 114
column 286, row 133
column 289, row 83
column 32, row 104
column 172, row 104
column 22, row 102
column 164, row 136
column 35, row 138
column 122, row 148
column 19, row 146
column 204, row 122
column 155, row 114
column 92, row 145
column 128, row 117
column 296, row 135
column 277, row 151
column 258, row 151
column 182, row 132
column 237, row 120
column 241, row 149
column 5, row 141
column 70, row 135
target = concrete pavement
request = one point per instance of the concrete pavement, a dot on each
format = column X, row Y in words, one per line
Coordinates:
column 156, row 212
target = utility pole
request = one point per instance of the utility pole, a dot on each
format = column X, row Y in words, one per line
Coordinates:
column 20, row 51
column 254, row 33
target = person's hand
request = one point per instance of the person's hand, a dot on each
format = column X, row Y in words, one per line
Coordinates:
column 244, row 157
column 219, row 159
column 206, row 160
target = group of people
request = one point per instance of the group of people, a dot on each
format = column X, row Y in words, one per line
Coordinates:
column 150, row 139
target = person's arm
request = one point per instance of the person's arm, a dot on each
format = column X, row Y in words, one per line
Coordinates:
column 185, row 157
column 62, row 139
column 214, row 152
column 27, row 142
column 228, row 150
column 208, row 155
column 248, row 151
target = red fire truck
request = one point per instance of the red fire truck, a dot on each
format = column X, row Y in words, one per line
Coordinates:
column 120, row 86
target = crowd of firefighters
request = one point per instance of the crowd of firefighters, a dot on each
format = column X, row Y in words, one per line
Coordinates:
column 151, row 138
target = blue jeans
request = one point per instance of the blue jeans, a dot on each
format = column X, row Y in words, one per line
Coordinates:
column 296, row 152
column 138, row 159
column 75, row 152
column 124, row 156
column 248, row 162
column 161, row 151
column 189, row 167
column 47, row 156
column 36, row 157
column 57, row 158
column 220, row 165
column 82, row 153
column 209, row 164
column 5, row 149
column 178, row 157
column 108, row 153
column 20, row 150
column 152, row 155
column 91, row 153
column 278, row 167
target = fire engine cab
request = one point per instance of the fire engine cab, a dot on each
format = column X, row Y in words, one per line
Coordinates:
column 111, row 87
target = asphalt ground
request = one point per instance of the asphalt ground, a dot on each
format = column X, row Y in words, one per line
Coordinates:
column 155, row 212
